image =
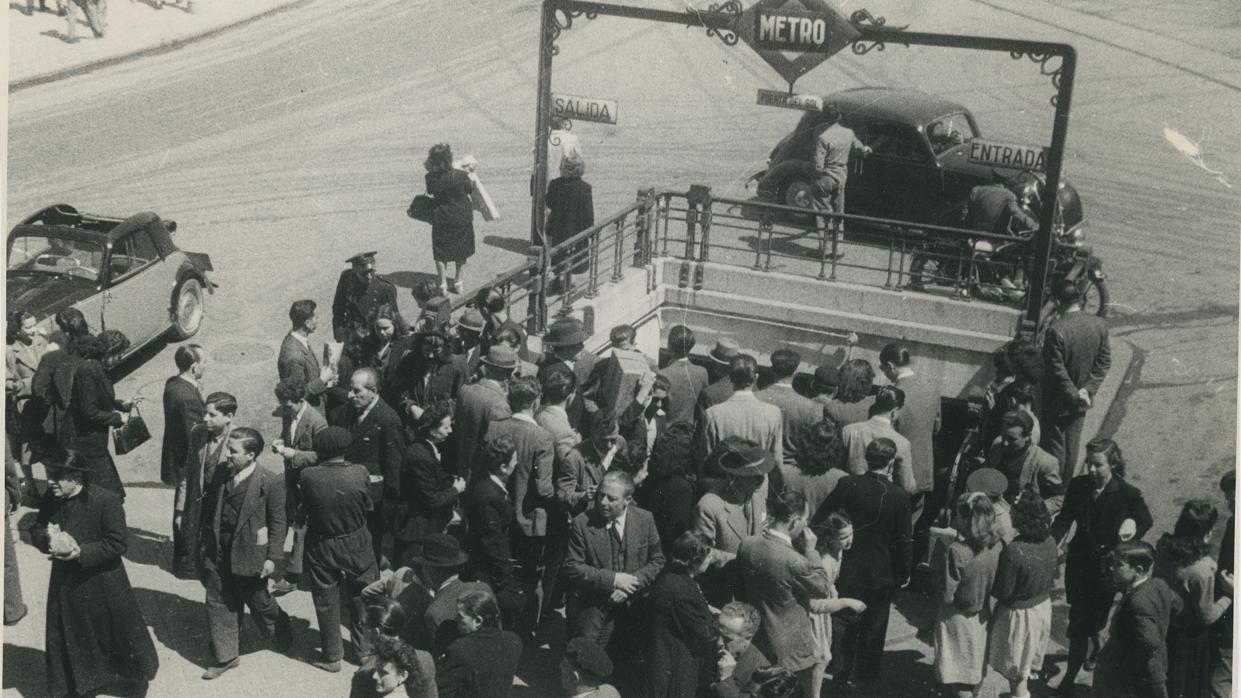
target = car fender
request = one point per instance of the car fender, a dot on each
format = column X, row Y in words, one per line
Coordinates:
column 197, row 264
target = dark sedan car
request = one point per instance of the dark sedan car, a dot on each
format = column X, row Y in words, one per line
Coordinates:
column 928, row 154
column 126, row 275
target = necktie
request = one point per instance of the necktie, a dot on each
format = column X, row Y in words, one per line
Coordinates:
column 618, row 562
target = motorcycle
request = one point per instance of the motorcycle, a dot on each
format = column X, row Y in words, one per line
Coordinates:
column 991, row 269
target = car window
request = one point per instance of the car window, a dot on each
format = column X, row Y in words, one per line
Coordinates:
column 36, row 253
column 892, row 140
column 130, row 254
column 950, row 131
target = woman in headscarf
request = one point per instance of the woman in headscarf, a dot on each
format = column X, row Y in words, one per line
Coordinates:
column 452, row 226
column 571, row 209
column 93, row 408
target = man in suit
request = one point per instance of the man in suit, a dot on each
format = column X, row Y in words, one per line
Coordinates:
column 378, row 443
column 481, row 403
column 558, row 390
column 489, row 509
column 470, row 327
column 1024, row 464
column 299, row 424
column 1076, row 358
column 685, row 379
column 339, row 558
column 183, row 410
column 532, row 486
column 879, row 562
column 438, row 568
column 736, row 508
column 796, row 411
column 208, row 449
column 359, row 294
column 743, row 415
column 622, row 338
column 737, row 623
column 919, row 423
column 297, row 359
column 482, row 662
column 244, row 528
column 720, row 386
column 857, row 437
column 566, row 343
column 780, row 574
column 614, row 555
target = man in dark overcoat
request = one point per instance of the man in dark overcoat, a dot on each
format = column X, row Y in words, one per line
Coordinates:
column 1076, row 359
column 243, row 527
column 489, row 509
column 96, row 637
column 339, row 558
column 183, row 410
column 378, row 443
column 359, row 294
column 566, row 343
column 481, row 403
column 208, row 448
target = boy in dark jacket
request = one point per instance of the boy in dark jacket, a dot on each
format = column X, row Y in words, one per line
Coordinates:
column 1135, row 660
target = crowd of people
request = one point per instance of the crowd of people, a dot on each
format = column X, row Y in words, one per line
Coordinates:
column 697, row 524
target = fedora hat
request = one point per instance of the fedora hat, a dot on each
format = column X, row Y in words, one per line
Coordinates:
column 501, row 356
column 440, row 550
column 472, row 320
column 747, row 461
column 564, row 333
column 725, row 350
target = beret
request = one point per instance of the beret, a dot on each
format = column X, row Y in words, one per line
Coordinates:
column 332, row 442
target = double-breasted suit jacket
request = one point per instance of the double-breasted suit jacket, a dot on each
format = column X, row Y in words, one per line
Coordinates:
column 261, row 523
column 378, row 443
column 202, row 461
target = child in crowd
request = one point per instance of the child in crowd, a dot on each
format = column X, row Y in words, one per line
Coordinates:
column 1134, row 662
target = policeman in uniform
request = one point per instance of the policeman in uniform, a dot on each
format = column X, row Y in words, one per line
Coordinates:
column 360, row 293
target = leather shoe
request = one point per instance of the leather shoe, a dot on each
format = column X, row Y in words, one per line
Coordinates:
column 17, row 619
column 330, row 667
column 283, row 587
column 218, row 670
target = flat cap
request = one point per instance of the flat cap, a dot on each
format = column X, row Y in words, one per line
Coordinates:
column 362, row 257
column 332, row 442
column 589, row 657
column 989, row 481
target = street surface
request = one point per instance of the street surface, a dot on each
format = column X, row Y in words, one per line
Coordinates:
column 290, row 144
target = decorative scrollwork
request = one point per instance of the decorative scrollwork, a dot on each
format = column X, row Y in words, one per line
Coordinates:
column 565, row 125
column 724, row 19
column 870, row 25
column 562, row 21
column 862, row 48
column 863, row 16
column 1045, row 66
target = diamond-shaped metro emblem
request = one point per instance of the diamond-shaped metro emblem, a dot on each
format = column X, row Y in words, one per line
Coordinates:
column 840, row 33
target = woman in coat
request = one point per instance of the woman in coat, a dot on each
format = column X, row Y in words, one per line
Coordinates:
column 427, row 375
column 1183, row 560
column 452, row 225
column 94, row 410
column 681, row 641
column 96, row 635
column 25, row 349
column 852, row 400
column 964, row 572
column 571, row 209
column 1106, row 510
column 428, row 490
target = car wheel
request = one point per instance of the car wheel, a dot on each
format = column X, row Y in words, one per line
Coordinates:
column 187, row 309
column 798, row 193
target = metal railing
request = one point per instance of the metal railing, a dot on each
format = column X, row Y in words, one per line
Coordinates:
column 696, row 227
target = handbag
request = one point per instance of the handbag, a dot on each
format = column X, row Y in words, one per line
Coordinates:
column 131, row 435
column 422, row 208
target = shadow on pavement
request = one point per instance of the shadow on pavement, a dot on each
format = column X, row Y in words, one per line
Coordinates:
column 24, row 670
column 178, row 623
column 146, row 548
column 516, row 245
column 408, row 279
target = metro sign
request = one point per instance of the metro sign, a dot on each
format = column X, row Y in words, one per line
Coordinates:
column 812, row 29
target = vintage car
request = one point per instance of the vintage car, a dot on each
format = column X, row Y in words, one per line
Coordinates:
column 922, row 166
column 126, row 275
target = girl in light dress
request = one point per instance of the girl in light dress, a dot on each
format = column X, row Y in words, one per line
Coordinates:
column 837, row 538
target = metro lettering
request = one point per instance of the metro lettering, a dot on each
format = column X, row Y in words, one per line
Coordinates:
column 803, row 31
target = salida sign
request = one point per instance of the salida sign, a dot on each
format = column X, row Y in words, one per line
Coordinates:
column 578, row 108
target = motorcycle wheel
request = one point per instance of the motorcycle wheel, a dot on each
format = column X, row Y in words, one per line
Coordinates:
column 1095, row 297
column 925, row 270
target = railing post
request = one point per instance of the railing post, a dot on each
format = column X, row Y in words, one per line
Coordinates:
column 691, row 227
column 643, row 226
column 764, row 231
column 834, row 225
column 700, row 195
column 618, row 251
column 592, row 286
column 822, row 224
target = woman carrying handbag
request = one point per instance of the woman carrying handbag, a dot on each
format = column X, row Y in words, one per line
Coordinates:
column 452, row 218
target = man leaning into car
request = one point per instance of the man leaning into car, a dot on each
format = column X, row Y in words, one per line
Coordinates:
column 831, row 159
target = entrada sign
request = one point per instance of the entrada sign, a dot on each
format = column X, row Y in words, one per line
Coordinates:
column 786, row 100
column 601, row 111
column 1025, row 157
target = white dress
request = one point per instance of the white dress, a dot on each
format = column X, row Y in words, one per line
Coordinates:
column 821, row 623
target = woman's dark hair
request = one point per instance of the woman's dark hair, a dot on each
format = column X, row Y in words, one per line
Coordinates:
column 511, row 334
column 439, row 158
column 385, row 615
column 1023, row 392
column 820, row 447
column 481, row 604
column 391, row 314
column 857, row 377
column 1025, row 360
column 88, row 347
column 72, row 323
column 673, row 452
column 688, row 552
column 433, row 416
column 1030, row 517
column 425, row 290
column 291, row 389
column 1188, row 541
column 1111, row 452
column 16, row 318
column 788, row 504
column 114, row 342
column 435, row 344
column 490, row 300
column 394, row 651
